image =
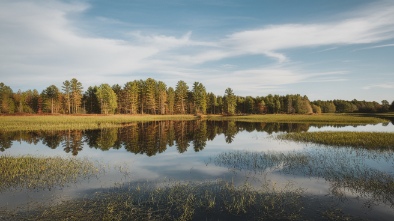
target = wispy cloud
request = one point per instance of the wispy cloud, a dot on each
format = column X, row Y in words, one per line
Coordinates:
column 377, row 46
column 389, row 85
column 42, row 40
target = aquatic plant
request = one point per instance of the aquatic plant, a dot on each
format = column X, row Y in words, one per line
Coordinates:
column 42, row 172
column 177, row 201
column 345, row 170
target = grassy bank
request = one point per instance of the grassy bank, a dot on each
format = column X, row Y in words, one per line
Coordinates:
column 367, row 140
column 316, row 119
column 41, row 173
column 74, row 122
column 66, row 122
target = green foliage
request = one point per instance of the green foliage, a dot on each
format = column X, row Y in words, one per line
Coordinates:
column 229, row 101
column 181, row 90
column 200, row 98
column 107, row 99
column 152, row 97
column 91, row 102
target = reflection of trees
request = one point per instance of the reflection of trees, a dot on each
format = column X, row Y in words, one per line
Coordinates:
column 73, row 142
column 53, row 139
column 230, row 131
column 147, row 138
column 107, row 138
column 130, row 138
column 199, row 135
column 180, row 136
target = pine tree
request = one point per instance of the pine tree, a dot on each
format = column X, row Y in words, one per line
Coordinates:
column 181, row 96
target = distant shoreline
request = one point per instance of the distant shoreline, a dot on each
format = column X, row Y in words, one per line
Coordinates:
column 96, row 121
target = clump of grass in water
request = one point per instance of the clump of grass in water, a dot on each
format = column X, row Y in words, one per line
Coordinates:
column 367, row 140
column 42, row 173
column 179, row 201
column 344, row 172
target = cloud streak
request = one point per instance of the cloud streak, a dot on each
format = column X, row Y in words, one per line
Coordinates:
column 43, row 41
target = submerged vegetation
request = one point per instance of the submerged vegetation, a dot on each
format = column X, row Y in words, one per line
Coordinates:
column 42, row 173
column 367, row 140
column 345, row 171
column 177, row 201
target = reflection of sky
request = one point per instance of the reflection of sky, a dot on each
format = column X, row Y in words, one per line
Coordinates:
column 190, row 165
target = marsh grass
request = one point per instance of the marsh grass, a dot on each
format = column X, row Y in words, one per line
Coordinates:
column 345, row 170
column 28, row 172
column 216, row 200
column 316, row 119
column 367, row 140
column 84, row 122
column 76, row 122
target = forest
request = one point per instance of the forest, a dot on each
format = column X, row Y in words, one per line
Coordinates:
column 154, row 97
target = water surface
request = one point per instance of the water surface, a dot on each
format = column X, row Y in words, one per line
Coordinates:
column 212, row 150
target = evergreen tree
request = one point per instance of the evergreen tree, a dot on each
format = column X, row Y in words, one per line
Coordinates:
column 200, row 98
column 181, row 90
column 131, row 93
column 67, row 95
column 229, row 101
column 162, row 97
column 76, row 95
column 170, row 100
column 107, row 99
column 90, row 100
column 52, row 93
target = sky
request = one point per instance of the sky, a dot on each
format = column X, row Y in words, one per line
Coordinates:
column 323, row 49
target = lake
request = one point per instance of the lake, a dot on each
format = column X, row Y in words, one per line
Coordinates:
column 333, row 180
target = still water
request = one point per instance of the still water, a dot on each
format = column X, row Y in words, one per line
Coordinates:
column 211, row 150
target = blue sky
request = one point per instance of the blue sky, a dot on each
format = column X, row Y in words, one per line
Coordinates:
column 323, row 49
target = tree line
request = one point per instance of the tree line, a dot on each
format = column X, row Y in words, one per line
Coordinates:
column 154, row 97
column 147, row 138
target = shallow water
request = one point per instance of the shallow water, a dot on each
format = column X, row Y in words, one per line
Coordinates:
column 191, row 151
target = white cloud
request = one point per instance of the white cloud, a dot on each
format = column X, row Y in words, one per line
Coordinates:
column 41, row 41
column 389, row 85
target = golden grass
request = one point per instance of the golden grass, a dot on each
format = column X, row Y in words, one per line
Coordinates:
column 85, row 122
column 316, row 119
column 76, row 122
column 367, row 140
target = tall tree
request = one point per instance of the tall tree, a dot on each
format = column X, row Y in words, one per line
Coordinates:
column 170, row 100
column 67, row 95
column 107, row 99
column 52, row 93
column 149, row 91
column 91, row 102
column 181, row 90
column 120, row 98
column 131, row 92
column 229, row 101
column 200, row 98
column 76, row 94
column 162, row 97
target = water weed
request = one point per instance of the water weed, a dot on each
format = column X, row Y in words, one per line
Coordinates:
column 28, row 172
column 178, row 201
